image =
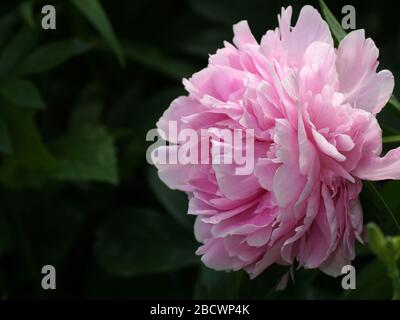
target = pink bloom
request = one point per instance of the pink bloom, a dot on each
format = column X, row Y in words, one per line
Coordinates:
column 312, row 108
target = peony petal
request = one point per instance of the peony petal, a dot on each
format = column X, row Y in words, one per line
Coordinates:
column 376, row 168
column 243, row 35
column 287, row 186
column 356, row 64
column 216, row 256
column 309, row 28
column 326, row 147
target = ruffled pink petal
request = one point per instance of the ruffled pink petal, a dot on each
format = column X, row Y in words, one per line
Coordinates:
column 357, row 63
column 309, row 28
column 243, row 35
column 380, row 168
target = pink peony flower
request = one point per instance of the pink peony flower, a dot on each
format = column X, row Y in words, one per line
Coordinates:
column 312, row 108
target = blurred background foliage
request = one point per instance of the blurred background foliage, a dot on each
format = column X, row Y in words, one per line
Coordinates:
column 76, row 191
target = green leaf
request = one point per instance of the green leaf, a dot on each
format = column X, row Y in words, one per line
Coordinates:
column 26, row 10
column 153, row 58
column 17, row 48
column 94, row 12
column 21, row 93
column 51, row 55
column 334, row 25
column 175, row 202
column 140, row 241
column 30, row 163
column 29, row 150
column 86, row 154
column 5, row 141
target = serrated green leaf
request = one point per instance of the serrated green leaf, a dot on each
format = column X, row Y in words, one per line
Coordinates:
column 51, row 55
column 86, row 154
column 29, row 150
column 94, row 12
column 30, row 164
column 21, row 93
column 332, row 22
column 141, row 241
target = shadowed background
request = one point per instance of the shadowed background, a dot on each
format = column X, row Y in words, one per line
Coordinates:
column 75, row 189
